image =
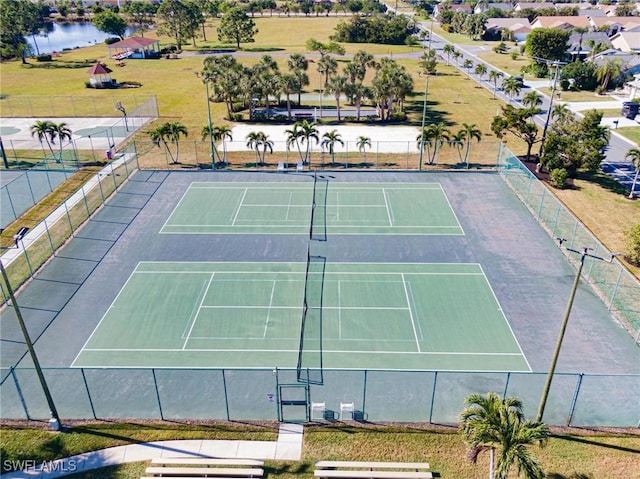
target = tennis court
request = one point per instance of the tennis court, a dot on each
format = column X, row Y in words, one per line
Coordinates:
column 391, row 316
column 356, row 208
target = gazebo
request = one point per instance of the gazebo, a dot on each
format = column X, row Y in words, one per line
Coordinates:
column 134, row 47
column 100, row 75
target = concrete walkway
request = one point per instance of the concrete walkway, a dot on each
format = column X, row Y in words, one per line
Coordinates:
column 288, row 447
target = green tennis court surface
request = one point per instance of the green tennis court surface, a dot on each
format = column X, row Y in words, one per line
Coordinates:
column 386, row 316
column 340, row 208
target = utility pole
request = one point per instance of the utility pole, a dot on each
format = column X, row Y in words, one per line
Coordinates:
column 424, row 103
column 553, row 93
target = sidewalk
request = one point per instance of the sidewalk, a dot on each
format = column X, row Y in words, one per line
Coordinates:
column 288, row 447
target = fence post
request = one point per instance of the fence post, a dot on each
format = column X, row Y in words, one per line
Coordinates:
column 433, row 396
column 155, row 385
column 615, row 288
column 364, row 393
column 544, row 190
column 506, row 385
column 86, row 387
column 19, row 391
column 555, row 223
column 574, row 400
column 226, row 398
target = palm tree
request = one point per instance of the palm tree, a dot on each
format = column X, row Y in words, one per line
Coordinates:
column 561, row 114
column 438, row 134
column 289, row 83
column 490, row 423
column 480, row 70
column 337, row 85
column 298, row 66
column 169, row 132
column 260, row 144
column 308, row 132
column 329, row 140
column 609, row 70
column 511, row 87
column 62, row 131
column 532, row 99
column 222, row 133
column 327, row 66
column 494, row 76
column 448, row 50
column 466, row 134
column 634, row 155
column 363, row 142
column 44, row 129
column 580, row 31
column 468, row 64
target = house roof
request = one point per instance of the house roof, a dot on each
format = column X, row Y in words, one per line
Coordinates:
column 560, row 22
column 626, row 41
column 597, row 37
column 533, row 5
column 622, row 21
column 513, row 24
column 134, row 42
column 99, row 69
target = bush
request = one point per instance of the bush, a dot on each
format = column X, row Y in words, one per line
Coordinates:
column 43, row 58
column 633, row 244
column 558, row 178
column 514, row 55
column 111, row 40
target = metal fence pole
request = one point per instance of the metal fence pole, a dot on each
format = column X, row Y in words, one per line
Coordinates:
column 19, row 391
column 155, row 385
column 364, row 392
column 615, row 289
column 86, row 387
column 574, row 400
column 226, row 398
column 433, row 396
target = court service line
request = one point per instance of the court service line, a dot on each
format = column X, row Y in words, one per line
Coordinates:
column 413, row 324
column 238, row 207
column 266, row 323
column 199, row 307
column 194, row 311
column 388, row 207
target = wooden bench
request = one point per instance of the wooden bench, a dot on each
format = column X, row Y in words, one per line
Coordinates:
column 205, row 461
column 372, row 470
column 164, row 471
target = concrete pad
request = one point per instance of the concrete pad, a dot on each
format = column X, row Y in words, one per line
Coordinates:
column 257, row 449
column 290, row 433
column 219, row 448
column 287, row 451
column 185, row 447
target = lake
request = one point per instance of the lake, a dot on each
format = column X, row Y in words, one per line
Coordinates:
column 70, row 35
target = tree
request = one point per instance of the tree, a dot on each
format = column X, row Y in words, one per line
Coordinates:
column 223, row 133
column 468, row 65
column 580, row 31
column 289, row 83
column 516, row 121
column 480, row 70
column 298, row 66
column 180, row 20
column 63, row 132
column 169, row 132
column 329, row 140
column 314, row 45
column 547, row 43
column 363, row 142
column 634, row 155
column 302, row 133
column 337, row 85
column 431, row 139
column 260, row 144
column 511, row 87
column 18, row 18
column 494, row 76
column 235, row 26
column 448, row 50
column 140, row 14
column 44, row 130
column 327, row 66
column 608, row 71
column 491, row 423
column 633, row 244
column 109, row 22
column 532, row 99
column 428, row 62
column 463, row 139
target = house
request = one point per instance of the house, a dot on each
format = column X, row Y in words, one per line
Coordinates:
column 561, row 22
column 135, row 48
column 628, row 42
column 515, row 29
column 581, row 44
column 629, row 62
column 591, row 12
column 483, row 6
column 439, row 8
column 613, row 25
column 532, row 5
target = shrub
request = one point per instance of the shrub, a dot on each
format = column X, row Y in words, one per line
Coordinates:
column 111, row 40
column 43, row 58
column 633, row 244
column 514, row 55
column 558, row 178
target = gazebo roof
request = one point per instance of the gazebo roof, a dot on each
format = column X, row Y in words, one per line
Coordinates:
column 134, row 42
column 99, row 69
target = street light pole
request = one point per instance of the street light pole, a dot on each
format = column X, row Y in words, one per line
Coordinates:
column 424, row 103
column 206, row 78
column 553, row 93
column 321, row 71
column 547, row 385
column 122, row 110
column 54, row 422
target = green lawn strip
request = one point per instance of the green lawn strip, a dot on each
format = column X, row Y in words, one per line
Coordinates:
column 595, row 454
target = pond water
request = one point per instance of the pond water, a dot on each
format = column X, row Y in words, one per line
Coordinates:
column 72, row 35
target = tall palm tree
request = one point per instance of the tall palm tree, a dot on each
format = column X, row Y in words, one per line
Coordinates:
column 337, row 85
column 609, row 70
column 298, row 65
column 438, row 133
column 561, row 114
column 293, row 137
column 289, row 83
column 308, row 132
column 260, row 143
column 580, row 31
column 169, row 132
column 494, row 76
column 491, row 423
column 634, row 155
column 511, row 87
column 327, row 66
column 466, row 134
column 480, row 70
column 43, row 129
column 532, row 99
column 468, row 65
column 448, row 50
column 363, row 142
column 329, row 140
column 63, row 132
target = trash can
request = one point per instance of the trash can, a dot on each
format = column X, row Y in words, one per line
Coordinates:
column 108, row 154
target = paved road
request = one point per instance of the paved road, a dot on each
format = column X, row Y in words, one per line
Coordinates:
column 615, row 163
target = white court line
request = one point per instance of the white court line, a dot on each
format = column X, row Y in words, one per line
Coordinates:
column 388, row 207
column 194, row 312
column 199, row 307
column 411, row 298
column 451, row 208
column 413, row 324
column 249, row 307
column 377, row 273
column 238, row 207
column 266, row 323
column 339, row 308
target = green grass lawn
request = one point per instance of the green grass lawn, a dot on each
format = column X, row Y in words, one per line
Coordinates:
column 611, row 454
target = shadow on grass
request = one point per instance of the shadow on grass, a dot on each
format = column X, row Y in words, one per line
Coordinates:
column 262, row 49
column 589, row 442
column 603, row 180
